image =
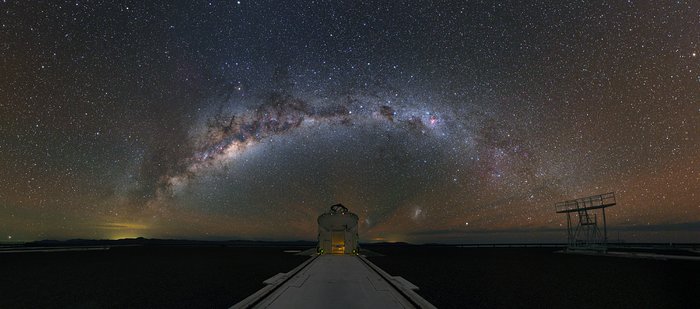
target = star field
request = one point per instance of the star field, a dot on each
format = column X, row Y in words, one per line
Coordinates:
column 433, row 121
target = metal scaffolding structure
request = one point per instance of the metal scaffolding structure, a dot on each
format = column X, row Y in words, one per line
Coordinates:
column 582, row 230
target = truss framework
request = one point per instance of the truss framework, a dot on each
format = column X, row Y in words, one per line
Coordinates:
column 582, row 221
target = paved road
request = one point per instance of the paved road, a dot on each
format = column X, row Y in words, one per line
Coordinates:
column 335, row 281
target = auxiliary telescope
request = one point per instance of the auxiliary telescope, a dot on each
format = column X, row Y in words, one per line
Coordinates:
column 337, row 231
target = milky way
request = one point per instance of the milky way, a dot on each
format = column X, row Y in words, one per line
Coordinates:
column 434, row 122
column 232, row 135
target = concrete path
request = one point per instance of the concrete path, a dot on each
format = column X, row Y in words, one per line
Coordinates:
column 336, row 281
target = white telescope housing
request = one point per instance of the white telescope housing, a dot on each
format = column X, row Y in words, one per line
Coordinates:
column 337, row 231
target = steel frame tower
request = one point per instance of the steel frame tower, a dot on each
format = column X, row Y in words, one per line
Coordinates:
column 582, row 230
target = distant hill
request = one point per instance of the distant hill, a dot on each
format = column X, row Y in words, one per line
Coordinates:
column 385, row 243
column 163, row 242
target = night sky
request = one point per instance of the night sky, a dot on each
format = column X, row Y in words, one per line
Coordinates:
column 434, row 121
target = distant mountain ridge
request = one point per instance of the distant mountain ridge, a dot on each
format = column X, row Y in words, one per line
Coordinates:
column 163, row 242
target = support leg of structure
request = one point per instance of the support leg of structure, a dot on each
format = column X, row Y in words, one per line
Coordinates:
column 605, row 231
column 568, row 229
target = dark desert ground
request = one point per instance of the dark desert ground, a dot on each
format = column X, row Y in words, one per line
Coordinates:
column 448, row 277
column 452, row 277
column 139, row 277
